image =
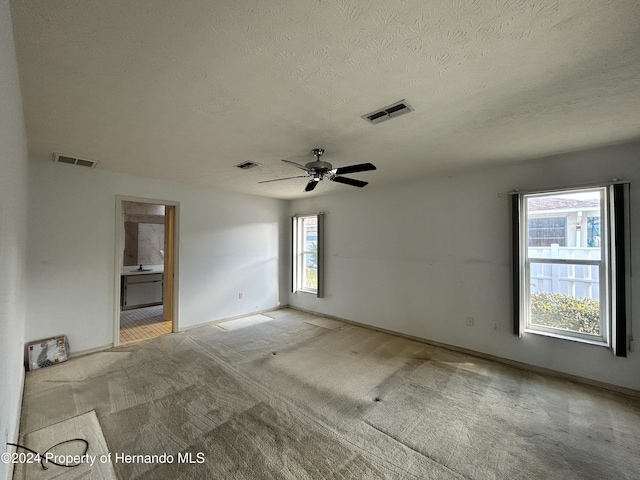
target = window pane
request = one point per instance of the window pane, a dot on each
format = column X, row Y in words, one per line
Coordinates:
column 564, row 225
column 310, row 234
column 565, row 312
column 310, row 271
column 578, row 281
column 307, row 274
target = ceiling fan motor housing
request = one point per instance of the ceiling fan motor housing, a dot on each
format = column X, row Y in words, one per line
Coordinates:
column 319, row 166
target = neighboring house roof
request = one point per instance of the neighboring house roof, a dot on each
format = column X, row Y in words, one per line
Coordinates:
column 555, row 203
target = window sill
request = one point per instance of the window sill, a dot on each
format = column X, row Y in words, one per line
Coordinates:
column 560, row 336
column 311, row 292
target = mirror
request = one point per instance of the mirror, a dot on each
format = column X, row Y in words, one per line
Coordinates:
column 144, row 243
column 143, row 234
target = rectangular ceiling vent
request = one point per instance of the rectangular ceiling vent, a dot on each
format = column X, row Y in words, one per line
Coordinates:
column 57, row 157
column 387, row 113
column 247, row 165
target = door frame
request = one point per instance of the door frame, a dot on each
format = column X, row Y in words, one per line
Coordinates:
column 171, row 259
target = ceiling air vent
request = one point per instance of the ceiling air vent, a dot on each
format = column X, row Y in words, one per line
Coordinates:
column 247, row 165
column 387, row 113
column 57, row 157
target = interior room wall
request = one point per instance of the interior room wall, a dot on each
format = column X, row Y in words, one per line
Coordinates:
column 420, row 257
column 13, row 236
column 229, row 243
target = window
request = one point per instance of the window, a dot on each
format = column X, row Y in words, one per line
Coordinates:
column 569, row 265
column 307, row 254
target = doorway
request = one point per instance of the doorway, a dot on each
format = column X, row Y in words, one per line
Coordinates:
column 145, row 269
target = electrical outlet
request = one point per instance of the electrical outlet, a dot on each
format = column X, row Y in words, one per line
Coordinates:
column 494, row 325
column 470, row 321
column 241, row 295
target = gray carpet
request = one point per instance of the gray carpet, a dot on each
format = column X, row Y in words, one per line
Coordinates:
column 85, row 426
column 290, row 395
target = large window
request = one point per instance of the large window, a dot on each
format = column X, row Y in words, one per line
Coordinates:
column 307, row 254
column 569, row 265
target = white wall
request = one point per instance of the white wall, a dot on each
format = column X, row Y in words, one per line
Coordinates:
column 229, row 243
column 420, row 257
column 13, row 234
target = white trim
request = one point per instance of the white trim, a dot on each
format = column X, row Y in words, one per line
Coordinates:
column 604, row 337
column 306, row 290
column 118, row 259
column 89, row 351
column 117, row 270
column 294, row 254
column 571, row 335
column 313, row 214
column 299, row 252
column 615, row 181
column 565, row 261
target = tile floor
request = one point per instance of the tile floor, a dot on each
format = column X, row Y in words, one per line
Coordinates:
column 142, row 324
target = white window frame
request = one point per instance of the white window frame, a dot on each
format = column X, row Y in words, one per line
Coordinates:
column 604, row 270
column 299, row 252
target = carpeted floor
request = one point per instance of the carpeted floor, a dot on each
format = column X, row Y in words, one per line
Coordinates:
column 290, row 395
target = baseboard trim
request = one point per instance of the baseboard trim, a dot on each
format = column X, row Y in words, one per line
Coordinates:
column 16, row 428
column 89, row 351
column 102, row 348
column 505, row 361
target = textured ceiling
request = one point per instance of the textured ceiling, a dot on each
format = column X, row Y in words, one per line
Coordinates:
column 184, row 90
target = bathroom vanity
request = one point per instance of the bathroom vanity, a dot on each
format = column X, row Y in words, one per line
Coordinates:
column 141, row 289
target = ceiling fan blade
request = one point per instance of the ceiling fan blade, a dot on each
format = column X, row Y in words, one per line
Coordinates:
column 361, row 167
column 297, row 165
column 311, row 185
column 349, row 181
column 285, row 178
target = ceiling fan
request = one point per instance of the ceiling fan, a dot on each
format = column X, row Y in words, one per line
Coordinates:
column 318, row 170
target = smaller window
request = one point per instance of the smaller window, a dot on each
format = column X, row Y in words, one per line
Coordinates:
column 307, row 251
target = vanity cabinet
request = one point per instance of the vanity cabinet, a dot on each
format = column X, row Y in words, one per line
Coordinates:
column 141, row 290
